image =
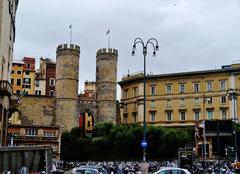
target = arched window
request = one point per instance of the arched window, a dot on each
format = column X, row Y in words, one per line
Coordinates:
column 51, row 93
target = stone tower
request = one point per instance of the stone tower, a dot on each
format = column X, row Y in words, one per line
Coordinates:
column 67, row 73
column 106, row 84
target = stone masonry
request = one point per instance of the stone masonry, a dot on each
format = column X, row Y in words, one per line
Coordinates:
column 67, row 72
column 106, row 84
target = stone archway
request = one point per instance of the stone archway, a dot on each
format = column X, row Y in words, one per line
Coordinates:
column 87, row 116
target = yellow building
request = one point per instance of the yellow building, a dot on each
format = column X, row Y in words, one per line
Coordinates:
column 17, row 78
column 181, row 99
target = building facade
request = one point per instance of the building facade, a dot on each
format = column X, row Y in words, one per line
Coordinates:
column 17, row 77
column 7, row 38
column 19, row 135
column 48, row 72
column 182, row 99
column 29, row 76
column 179, row 99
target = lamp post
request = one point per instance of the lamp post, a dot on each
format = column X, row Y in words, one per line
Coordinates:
column 205, row 99
column 232, row 95
column 154, row 43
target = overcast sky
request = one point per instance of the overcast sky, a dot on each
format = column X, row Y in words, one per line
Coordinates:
column 192, row 34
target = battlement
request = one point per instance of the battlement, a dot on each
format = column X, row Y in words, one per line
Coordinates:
column 68, row 46
column 107, row 51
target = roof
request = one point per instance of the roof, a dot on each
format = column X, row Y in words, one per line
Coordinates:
column 137, row 77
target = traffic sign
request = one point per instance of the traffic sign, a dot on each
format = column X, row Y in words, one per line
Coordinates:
column 144, row 143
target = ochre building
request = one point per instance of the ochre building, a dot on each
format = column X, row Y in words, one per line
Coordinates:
column 180, row 99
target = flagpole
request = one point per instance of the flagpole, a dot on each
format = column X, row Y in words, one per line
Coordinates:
column 109, row 39
column 70, row 34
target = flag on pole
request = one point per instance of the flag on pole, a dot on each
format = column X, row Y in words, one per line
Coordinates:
column 108, row 32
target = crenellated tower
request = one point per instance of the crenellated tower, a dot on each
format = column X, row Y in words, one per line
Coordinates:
column 106, row 84
column 67, row 77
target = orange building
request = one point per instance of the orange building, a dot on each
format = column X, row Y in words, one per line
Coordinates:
column 17, row 77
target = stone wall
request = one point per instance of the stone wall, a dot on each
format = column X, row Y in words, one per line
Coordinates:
column 37, row 110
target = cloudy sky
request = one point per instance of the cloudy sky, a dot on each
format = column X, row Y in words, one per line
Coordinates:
column 192, row 34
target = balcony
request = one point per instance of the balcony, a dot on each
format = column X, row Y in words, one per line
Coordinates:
column 5, row 88
column 36, row 138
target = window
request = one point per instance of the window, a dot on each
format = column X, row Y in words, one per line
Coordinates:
column 12, row 81
column 209, row 100
column 31, row 132
column 17, row 91
column 196, row 115
column 27, row 86
column 152, row 104
column 196, row 87
column 222, row 85
column 209, row 86
column 181, row 88
column 12, row 72
column 152, row 116
column 125, row 107
column 1, row 111
column 224, row 114
column 134, row 92
column 27, row 80
column 88, row 124
column 169, row 116
column 18, row 82
column 37, row 83
column 152, row 90
column 28, row 65
column 209, row 114
column 27, row 72
column 37, row 92
column 223, row 99
column 182, row 115
column 134, row 116
column 19, row 72
column 52, row 82
column 125, row 93
column 134, row 105
column 125, row 118
column 182, row 101
column 169, row 89
column 49, row 134
column 196, row 101
column 51, row 93
column 169, row 103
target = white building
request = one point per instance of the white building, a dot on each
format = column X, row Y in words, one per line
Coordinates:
column 7, row 37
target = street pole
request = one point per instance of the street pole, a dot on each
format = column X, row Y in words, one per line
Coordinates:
column 154, row 43
column 232, row 94
column 204, row 135
column 144, row 103
column 235, row 128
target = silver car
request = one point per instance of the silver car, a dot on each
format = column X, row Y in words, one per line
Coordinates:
column 87, row 170
column 172, row 170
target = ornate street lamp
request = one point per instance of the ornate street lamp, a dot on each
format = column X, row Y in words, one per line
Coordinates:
column 232, row 95
column 154, row 43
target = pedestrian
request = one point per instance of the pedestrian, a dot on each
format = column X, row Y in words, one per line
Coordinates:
column 144, row 167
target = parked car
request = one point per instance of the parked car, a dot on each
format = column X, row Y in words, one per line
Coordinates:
column 87, row 170
column 172, row 170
